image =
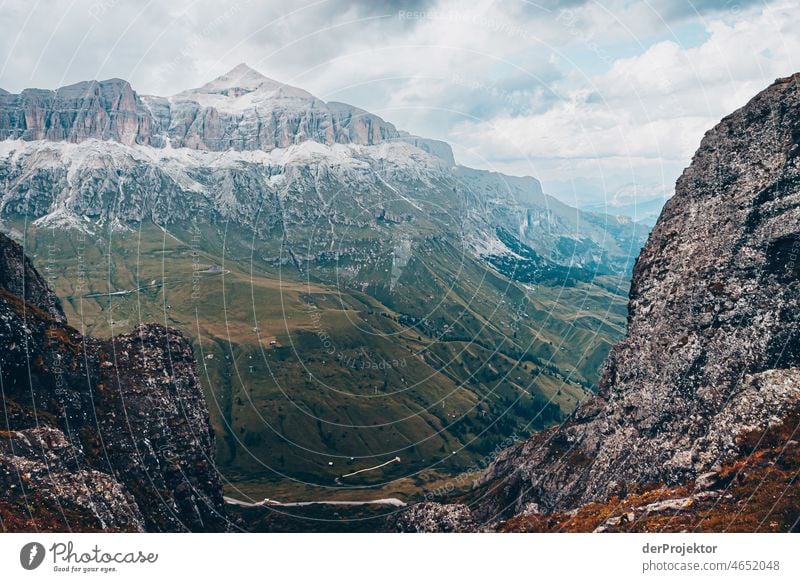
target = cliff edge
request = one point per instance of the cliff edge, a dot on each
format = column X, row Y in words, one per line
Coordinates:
column 97, row 435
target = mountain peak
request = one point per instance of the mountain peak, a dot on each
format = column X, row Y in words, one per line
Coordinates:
column 242, row 80
column 241, row 76
column 244, row 69
column 242, row 88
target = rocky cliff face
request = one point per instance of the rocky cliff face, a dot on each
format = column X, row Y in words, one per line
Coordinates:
column 241, row 110
column 712, row 350
column 98, row 435
column 108, row 110
column 311, row 196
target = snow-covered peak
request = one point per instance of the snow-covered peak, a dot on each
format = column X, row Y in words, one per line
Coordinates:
column 240, row 110
column 239, row 76
column 243, row 88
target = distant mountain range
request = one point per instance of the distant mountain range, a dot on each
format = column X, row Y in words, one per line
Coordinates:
column 273, row 158
column 643, row 209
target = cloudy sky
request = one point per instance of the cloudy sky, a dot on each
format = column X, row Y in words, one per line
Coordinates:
column 599, row 99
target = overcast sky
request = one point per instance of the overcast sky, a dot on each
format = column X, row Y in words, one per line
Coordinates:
column 594, row 98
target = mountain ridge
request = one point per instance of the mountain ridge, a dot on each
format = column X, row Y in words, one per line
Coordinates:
column 37, row 114
column 359, row 152
column 217, row 116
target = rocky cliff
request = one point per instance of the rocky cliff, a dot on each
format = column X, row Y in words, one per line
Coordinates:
column 711, row 361
column 241, row 110
column 97, row 435
column 272, row 158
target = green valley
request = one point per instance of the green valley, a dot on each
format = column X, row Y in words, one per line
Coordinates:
column 309, row 377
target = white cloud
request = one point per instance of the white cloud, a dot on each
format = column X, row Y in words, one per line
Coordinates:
column 645, row 116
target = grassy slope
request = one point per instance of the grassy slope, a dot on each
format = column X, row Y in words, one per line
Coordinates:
column 439, row 355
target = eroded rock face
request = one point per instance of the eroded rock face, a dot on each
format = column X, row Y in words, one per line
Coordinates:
column 43, row 468
column 108, row 110
column 241, row 110
column 99, row 435
column 713, row 343
column 18, row 277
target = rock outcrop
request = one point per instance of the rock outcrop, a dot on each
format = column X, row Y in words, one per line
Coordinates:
column 712, row 350
column 18, row 277
column 432, row 517
column 98, row 435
